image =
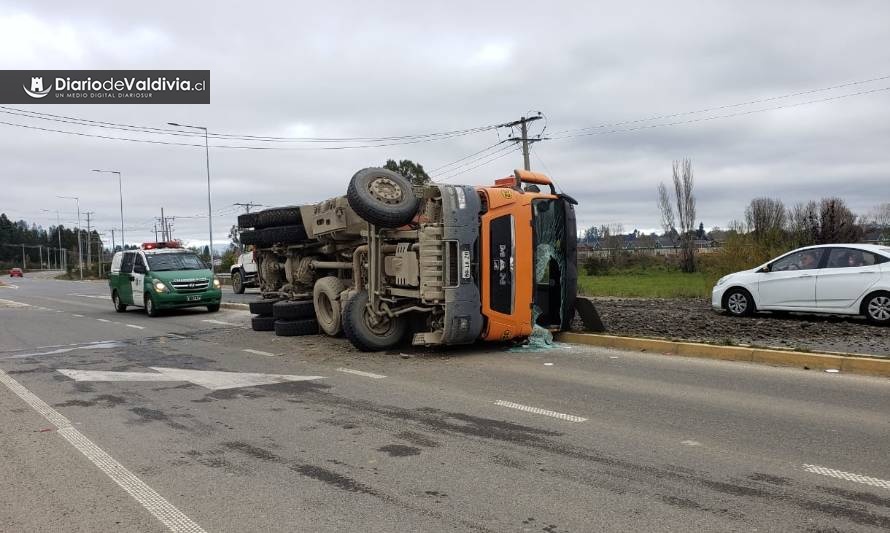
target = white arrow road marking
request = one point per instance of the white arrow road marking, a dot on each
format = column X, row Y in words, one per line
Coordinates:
column 209, row 379
column 166, row 512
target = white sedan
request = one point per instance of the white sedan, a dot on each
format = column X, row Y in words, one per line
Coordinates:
column 842, row 279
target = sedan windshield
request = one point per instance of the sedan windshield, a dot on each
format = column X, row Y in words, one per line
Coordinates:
column 183, row 261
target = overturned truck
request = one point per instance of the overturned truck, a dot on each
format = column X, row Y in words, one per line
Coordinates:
column 447, row 264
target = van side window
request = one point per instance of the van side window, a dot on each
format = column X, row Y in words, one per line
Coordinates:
column 140, row 261
column 116, row 262
column 127, row 263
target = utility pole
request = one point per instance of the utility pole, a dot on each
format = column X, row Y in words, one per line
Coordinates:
column 163, row 226
column 156, row 232
column 112, row 241
column 40, row 251
column 89, row 241
column 247, row 205
column 79, row 246
column 24, row 265
column 523, row 128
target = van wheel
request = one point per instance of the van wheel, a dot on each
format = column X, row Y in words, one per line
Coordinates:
column 876, row 308
column 116, row 300
column 237, row 283
column 366, row 334
column 382, row 197
column 326, row 299
column 213, row 308
column 151, row 308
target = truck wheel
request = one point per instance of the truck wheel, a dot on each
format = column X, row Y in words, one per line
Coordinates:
column 278, row 216
column 116, row 300
column 249, row 236
column 365, row 335
column 326, row 299
column 281, row 234
column 382, row 197
column 296, row 328
column 261, row 307
column 287, row 310
column 150, row 308
column 262, row 323
column 247, row 220
column 237, row 282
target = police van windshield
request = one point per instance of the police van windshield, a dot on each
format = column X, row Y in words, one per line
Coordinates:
column 183, row 261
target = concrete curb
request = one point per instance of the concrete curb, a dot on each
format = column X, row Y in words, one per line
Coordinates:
column 852, row 363
column 233, row 305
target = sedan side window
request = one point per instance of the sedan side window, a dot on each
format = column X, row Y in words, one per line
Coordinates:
column 803, row 260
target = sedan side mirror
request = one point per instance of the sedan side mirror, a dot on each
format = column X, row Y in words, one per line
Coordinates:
column 764, row 270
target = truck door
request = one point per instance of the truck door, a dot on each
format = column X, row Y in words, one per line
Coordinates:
column 138, row 280
column 125, row 279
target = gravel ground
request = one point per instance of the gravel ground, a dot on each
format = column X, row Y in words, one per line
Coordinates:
column 694, row 320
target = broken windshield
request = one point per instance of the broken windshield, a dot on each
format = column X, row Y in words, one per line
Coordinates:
column 549, row 226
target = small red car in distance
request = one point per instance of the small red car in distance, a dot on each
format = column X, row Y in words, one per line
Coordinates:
column 15, row 272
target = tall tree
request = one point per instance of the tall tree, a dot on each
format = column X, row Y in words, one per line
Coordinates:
column 684, row 201
column 411, row 170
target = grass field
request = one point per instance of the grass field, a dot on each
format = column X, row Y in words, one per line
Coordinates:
column 655, row 284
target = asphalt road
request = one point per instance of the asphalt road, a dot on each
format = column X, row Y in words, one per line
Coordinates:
column 121, row 422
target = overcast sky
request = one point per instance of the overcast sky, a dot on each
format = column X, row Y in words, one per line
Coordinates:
column 370, row 69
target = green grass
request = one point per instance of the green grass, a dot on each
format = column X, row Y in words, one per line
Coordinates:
column 652, row 284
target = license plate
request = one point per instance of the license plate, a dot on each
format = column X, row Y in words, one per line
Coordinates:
column 192, row 298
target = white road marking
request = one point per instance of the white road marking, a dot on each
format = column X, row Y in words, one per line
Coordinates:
column 166, row 512
column 6, row 286
column 135, row 326
column 538, row 411
column 78, row 316
column 548, row 364
column 361, row 373
column 209, row 379
column 95, row 296
column 259, row 352
column 220, row 322
column 12, row 303
column 690, row 443
column 103, row 320
column 856, row 478
column 89, row 346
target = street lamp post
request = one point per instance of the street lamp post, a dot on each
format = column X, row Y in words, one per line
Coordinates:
column 209, row 206
column 59, row 233
column 79, row 248
column 120, row 190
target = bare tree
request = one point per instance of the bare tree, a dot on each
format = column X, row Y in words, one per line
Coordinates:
column 879, row 219
column 684, row 200
column 766, row 218
column 803, row 224
column 837, row 223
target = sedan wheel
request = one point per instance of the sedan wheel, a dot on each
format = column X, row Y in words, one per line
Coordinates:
column 877, row 309
column 739, row 303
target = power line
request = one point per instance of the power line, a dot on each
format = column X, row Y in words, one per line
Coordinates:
column 727, row 106
column 715, row 117
column 228, row 136
column 511, row 150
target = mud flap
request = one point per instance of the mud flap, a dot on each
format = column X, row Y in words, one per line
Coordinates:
column 589, row 315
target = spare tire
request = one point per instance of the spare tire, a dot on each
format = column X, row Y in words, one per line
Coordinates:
column 262, row 323
column 278, row 216
column 326, row 300
column 296, row 328
column 287, row 310
column 262, row 307
column 281, row 235
column 382, row 197
column 247, row 220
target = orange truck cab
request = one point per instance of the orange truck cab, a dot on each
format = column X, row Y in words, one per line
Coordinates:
column 528, row 267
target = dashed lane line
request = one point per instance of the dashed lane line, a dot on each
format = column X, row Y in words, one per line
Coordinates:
column 361, row 373
column 840, row 474
column 103, row 320
column 221, row 322
column 539, row 411
column 160, row 508
column 135, row 326
column 259, row 352
column 78, row 316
